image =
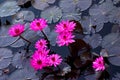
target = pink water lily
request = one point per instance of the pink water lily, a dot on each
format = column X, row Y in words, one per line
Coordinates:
column 98, row 64
column 16, row 30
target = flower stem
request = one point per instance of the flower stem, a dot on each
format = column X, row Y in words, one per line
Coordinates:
column 29, row 43
column 46, row 38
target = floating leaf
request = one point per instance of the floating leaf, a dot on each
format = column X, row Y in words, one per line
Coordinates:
column 42, row 4
column 27, row 35
column 69, row 10
column 52, row 14
column 19, row 43
column 8, row 8
column 94, row 40
column 68, row 5
column 51, row 35
column 52, row 38
column 5, row 57
column 6, row 40
column 22, row 74
column 18, row 60
column 23, row 16
column 46, row 30
column 111, row 40
column 83, row 4
column 114, row 51
column 5, row 53
column 88, row 23
column 27, row 72
column 101, row 12
column 71, row 16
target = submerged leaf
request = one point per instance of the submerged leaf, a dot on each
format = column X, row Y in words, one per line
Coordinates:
column 52, row 14
column 8, row 8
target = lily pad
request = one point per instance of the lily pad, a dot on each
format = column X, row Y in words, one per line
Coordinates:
column 23, row 16
column 94, row 40
column 8, row 8
column 111, row 40
column 52, row 14
column 42, row 4
column 19, row 43
column 115, row 51
column 5, row 57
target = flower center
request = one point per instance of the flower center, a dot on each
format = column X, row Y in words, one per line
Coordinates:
column 38, row 24
column 40, row 52
column 53, row 59
column 100, row 62
column 17, row 30
column 40, row 43
column 65, row 38
column 64, row 26
column 39, row 62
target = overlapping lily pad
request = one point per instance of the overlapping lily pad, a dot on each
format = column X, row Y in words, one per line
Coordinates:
column 115, row 52
column 52, row 14
column 111, row 40
column 42, row 4
column 94, row 40
column 8, row 8
column 5, row 57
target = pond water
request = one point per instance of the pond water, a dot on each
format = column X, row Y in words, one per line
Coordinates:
column 97, row 33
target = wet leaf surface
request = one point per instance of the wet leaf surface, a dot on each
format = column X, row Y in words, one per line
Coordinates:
column 52, row 14
column 8, row 8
